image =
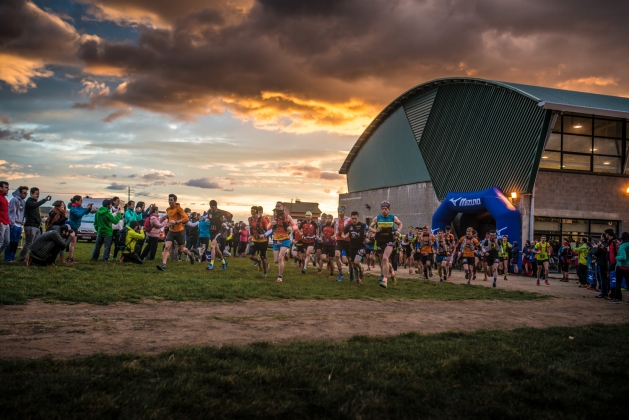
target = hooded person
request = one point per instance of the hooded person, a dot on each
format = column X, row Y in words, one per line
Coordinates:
column 5, row 223
column 32, row 220
column 103, row 221
column 16, row 218
column 45, row 249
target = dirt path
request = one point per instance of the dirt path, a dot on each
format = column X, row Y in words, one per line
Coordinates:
column 38, row 329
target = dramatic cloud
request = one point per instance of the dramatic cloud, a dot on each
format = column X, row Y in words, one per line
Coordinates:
column 116, row 187
column 158, row 175
column 16, row 135
column 115, row 115
column 310, row 171
column 202, row 183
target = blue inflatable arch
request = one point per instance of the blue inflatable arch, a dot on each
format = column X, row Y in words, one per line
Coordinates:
column 492, row 200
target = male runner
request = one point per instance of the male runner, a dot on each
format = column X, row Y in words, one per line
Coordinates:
column 282, row 225
column 486, row 264
column 542, row 251
column 452, row 240
column 309, row 231
column 384, row 226
column 356, row 233
column 369, row 248
column 443, row 251
column 328, row 245
column 426, row 247
column 492, row 248
column 258, row 226
column 406, row 244
column 467, row 247
column 215, row 216
column 177, row 218
column 342, row 244
column 319, row 224
column 505, row 246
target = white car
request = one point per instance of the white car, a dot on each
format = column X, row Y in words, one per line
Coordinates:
column 86, row 230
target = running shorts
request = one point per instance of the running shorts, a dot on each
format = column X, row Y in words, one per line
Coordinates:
column 441, row 258
column 277, row 245
column 356, row 252
column 407, row 250
column 468, row 260
column 426, row 258
column 260, row 247
column 327, row 250
column 343, row 246
column 178, row 237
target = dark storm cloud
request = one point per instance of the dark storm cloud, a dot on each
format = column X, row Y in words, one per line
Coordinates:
column 333, row 51
column 202, row 183
column 16, row 135
column 116, row 187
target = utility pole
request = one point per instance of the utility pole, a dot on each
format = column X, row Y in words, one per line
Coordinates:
column 128, row 194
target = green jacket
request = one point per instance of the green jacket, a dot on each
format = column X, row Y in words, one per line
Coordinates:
column 130, row 215
column 622, row 257
column 103, row 219
column 583, row 253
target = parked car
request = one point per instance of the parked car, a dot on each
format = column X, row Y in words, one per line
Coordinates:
column 86, row 230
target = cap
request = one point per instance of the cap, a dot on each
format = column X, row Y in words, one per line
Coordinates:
column 308, row 213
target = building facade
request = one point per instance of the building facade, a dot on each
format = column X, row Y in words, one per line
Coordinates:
column 563, row 156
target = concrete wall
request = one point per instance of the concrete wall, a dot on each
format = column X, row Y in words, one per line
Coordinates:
column 413, row 204
column 582, row 196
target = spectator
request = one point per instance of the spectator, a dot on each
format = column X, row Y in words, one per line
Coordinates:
column 57, row 217
column 104, row 221
column 204, row 238
column 16, row 219
column 582, row 268
column 77, row 211
column 134, row 234
column 622, row 267
column 244, row 239
column 5, row 222
column 565, row 256
column 45, row 249
column 32, row 223
column 115, row 210
column 600, row 257
column 153, row 232
column 515, row 257
column 139, row 217
column 612, row 250
column 527, row 268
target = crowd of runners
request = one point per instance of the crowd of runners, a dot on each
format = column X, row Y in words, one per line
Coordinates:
column 339, row 245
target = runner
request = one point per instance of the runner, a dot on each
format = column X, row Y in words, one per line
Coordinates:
column 342, row 244
column 384, row 226
column 217, row 217
column 282, row 225
column 426, row 243
column 493, row 249
column 177, row 218
column 416, row 255
column 355, row 231
column 443, row 251
column 542, row 250
column 309, row 231
column 258, row 226
column 369, row 248
column 452, row 240
column 505, row 248
column 328, row 245
column 319, row 224
column 467, row 248
column 406, row 244
column 485, row 262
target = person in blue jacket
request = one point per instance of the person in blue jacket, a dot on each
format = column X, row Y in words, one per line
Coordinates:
column 77, row 211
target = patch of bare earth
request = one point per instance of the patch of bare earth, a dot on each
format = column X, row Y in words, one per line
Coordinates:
column 39, row 329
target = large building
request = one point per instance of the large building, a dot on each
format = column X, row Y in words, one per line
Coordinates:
column 455, row 151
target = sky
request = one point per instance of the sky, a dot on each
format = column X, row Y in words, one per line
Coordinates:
column 253, row 101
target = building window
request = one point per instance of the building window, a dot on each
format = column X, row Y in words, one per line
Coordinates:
column 556, row 229
column 587, row 143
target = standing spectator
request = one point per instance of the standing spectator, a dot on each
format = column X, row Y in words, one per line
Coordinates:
column 45, row 249
column 622, row 267
column 244, row 239
column 32, row 224
column 527, row 268
column 139, row 217
column 103, row 222
column 235, row 242
column 77, row 211
column 115, row 210
column 16, row 219
column 612, row 250
column 582, row 268
column 5, row 223
column 515, row 257
column 153, row 230
column 57, row 217
column 601, row 260
column 565, row 256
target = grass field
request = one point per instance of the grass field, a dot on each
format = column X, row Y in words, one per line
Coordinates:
column 102, row 283
column 522, row 374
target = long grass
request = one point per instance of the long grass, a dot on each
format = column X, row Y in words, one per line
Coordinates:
column 567, row 373
column 102, row 283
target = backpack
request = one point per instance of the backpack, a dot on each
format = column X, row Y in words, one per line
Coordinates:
column 147, row 224
column 122, row 239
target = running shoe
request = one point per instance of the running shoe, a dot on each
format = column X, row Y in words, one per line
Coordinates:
column 161, row 267
column 319, row 272
column 430, row 272
column 440, row 279
column 614, row 301
column 467, row 275
column 339, row 278
column 505, row 278
column 474, row 277
column 303, row 270
column 265, row 274
column 210, row 267
column 279, row 280
column 191, row 258
column 70, row 260
column 351, row 275
column 224, row 265
column 383, row 282
column 494, row 282
column 538, row 282
column 547, row 284
column 256, row 263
